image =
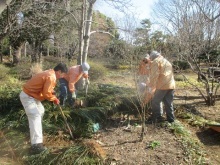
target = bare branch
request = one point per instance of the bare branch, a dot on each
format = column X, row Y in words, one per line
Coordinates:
column 104, row 32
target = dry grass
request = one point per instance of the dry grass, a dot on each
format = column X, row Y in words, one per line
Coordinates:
column 36, row 68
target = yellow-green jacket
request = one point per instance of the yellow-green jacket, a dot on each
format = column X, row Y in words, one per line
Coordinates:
column 161, row 74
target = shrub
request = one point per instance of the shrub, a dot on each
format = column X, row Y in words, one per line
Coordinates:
column 124, row 67
column 50, row 62
column 179, row 78
column 4, row 71
column 97, row 70
column 9, row 99
column 22, row 70
column 180, row 65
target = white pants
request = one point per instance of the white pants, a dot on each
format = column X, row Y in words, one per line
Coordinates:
column 34, row 111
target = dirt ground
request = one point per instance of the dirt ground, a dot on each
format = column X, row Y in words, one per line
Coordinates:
column 122, row 147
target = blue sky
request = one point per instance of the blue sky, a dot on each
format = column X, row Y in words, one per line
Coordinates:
column 142, row 8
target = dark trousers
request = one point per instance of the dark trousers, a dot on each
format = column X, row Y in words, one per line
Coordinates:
column 165, row 96
column 65, row 94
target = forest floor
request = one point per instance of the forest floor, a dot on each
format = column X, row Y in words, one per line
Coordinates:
column 161, row 145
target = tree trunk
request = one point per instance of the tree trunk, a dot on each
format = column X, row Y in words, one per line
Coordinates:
column 17, row 55
column 1, row 55
column 3, row 5
column 35, row 56
column 142, row 125
column 86, row 37
column 68, row 5
column 81, row 32
column 48, row 50
column 25, row 49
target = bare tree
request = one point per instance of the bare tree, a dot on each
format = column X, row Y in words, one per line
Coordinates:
column 211, row 14
column 192, row 34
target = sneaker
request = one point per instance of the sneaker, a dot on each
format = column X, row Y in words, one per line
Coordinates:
column 37, row 148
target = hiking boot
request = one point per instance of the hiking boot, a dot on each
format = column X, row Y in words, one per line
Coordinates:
column 171, row 121
column 37, row 148
column 160, row 119
column 152, row 120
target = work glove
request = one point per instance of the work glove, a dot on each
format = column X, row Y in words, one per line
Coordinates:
column 87, row 82
column 74, row 95
column 56, row 101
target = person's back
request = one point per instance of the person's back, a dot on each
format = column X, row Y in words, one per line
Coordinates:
column 161, row 74
column 39, row 84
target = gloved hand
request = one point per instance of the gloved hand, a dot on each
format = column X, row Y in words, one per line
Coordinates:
column 142, row 87
column 56, row 101
column 74, row 95
column 87, row 82
column 151, row 90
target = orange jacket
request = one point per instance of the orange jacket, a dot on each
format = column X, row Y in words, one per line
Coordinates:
column 161, row 74
column 144, row 68
column 41, row 85
column 73, row 75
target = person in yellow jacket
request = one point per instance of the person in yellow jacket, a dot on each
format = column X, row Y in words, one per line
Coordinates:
column 40, row 87
column 68, row 82
column 161, row 88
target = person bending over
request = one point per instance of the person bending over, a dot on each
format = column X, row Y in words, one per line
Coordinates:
column 40, row 87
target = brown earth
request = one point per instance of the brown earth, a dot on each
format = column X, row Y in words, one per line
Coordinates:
column 122, row 145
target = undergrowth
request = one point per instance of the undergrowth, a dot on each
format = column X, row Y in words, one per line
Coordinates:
column 193, row 151
column 102, row 100
column 193, row 148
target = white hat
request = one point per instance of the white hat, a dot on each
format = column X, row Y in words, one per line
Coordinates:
column 154, row 54
column 85, row 67
column 147, row 56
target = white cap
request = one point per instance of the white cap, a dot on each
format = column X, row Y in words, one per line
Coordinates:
column 147, row 56
column 85, row 67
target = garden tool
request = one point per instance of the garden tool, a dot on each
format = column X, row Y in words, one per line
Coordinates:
column 87, row 86
column 65, row 120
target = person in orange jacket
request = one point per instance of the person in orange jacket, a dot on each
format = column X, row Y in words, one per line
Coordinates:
column 68, row 82
column 144, row 65
column 161, row 88
column 40, row 87
column 143, row 81
column 143, row 75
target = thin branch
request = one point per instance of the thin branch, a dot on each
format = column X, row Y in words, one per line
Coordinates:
column 104, row 32
column 210, row 19
column 195, row 87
